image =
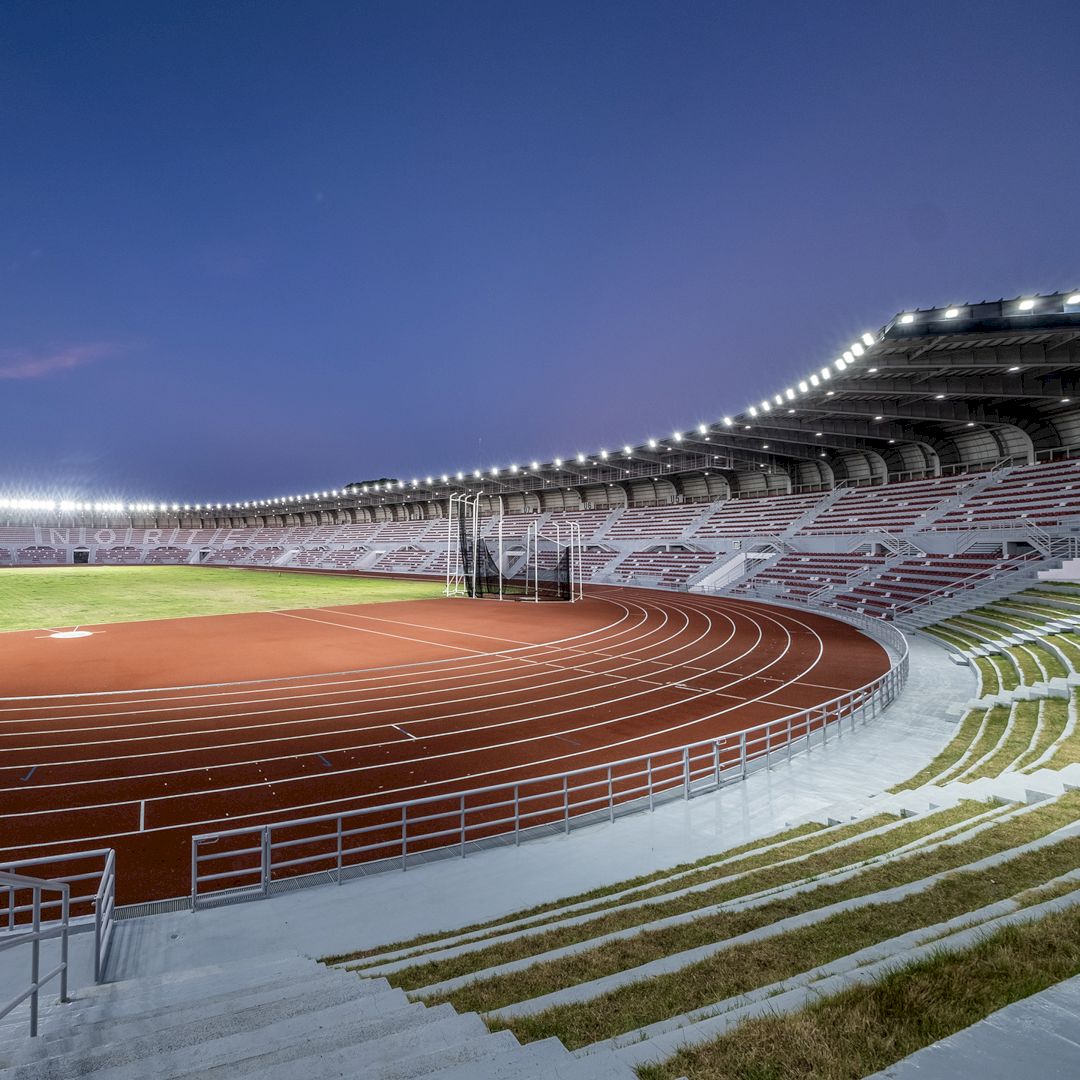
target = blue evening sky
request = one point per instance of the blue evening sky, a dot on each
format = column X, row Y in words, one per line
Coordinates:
column 254, row 248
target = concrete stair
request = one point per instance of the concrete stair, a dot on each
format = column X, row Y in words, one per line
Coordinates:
column 277, row 1018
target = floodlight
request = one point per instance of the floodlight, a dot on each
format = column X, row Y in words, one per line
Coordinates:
column 1074, row 299
column 753, row 411
column 1026, row 305
column 907, row 320
column 581, row 459
column 868, row 340
column 802, row 386
column 857, row 349
column 951, row 313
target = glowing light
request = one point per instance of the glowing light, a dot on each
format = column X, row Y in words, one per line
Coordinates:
column 857, row 349
column 803, row 386
column 868, row 340
column 907, row 320
column 1074, row 299
column 951, row 313
column 753, row 411
column 1026, row 305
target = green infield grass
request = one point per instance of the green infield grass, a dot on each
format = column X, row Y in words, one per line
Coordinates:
column 65, row 596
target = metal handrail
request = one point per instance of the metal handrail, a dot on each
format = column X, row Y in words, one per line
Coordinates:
column 398, row 830
column 35, row 936
column 102, row 900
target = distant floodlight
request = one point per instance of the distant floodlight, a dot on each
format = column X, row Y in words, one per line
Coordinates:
column 779, row 399
column 536, row 464
column 558, row 463
column 803, row 386
column 826, row 373
column 1026, row 305
column 604, row 455
column 766, row 407
column 868, row 340
column 789, row 394
column 1074, row 299
column 581, row 459
column 627, row 450
column 857, row 349
column 677, row 436
column 753, row 411
column 908, row 319
column 841, row 364
column 477, row 474
column 951, row 313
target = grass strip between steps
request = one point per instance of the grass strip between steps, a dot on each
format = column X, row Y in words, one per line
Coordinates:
column 1025, row 721
column 1069, row 646
column 1055, row 715
column 997, row 719
column 602, row 959
column 1068, row 752
column 1028, row 667
column 990, row 684
column 953, row 752
column 865, row 1029
column 797, row 833
column 1055, row 669
column 743, row 968
column 650, row 945
column 1006, row 672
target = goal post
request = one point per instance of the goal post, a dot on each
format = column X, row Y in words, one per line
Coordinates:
column 496, row 567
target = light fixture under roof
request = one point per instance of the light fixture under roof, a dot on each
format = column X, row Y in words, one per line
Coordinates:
column 951, row 313
column 868, row 340
column 1026, row 304
column 1074, row 299
column 907, row 319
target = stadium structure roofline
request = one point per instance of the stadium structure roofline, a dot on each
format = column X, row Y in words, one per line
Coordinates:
column 934, row 388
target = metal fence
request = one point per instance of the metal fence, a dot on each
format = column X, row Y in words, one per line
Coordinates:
column 255, row 861
column 33, row 935
column 94, row 895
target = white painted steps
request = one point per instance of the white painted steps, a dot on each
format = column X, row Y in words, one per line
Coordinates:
column 275, row 1018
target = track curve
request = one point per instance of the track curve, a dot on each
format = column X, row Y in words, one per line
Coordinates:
column 142, row 734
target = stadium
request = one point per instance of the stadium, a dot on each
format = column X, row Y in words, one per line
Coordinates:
column 728, row 746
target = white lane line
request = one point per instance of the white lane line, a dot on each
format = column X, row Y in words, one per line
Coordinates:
column 397, row 727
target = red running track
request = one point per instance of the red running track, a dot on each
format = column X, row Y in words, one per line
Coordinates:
column 143, row 734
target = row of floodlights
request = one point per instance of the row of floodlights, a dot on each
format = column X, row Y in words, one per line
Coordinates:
column 804, row 386
column 1026, row 306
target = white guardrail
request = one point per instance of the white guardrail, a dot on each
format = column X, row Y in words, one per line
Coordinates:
column 258, row 860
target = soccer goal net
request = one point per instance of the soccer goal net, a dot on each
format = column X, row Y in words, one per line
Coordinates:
column 488, row 558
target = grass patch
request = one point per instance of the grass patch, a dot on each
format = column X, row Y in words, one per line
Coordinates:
column 954, row 750
column 1010, row 680
column 1053, row 667
column 984, row 630
column 988, row 675
column 1068, row 752
column 614, row 956
column 867, row 1028
column 1029, row 669
column 1069, row 646
column 997, row 719
column 1012, row 618
column 1020, row 738
column 92, row 595
column 1055, row 716
column 747, row 967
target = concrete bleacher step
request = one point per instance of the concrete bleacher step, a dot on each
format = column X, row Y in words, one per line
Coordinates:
column 275, row 1018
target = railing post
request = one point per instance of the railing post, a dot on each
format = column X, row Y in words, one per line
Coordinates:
column 65, row 910
column 742, row 754
column 610, row 797
column 339, row 849
column 461, row 823
column 35, row 960
column 266, row 860
column 97, row 942
column 648, row 780
column 517, row 817
column 716, row 762
column 686, row 772
column 807, row 731
column 768, row 747
column 404, row 836
column 825, row 725
column 566, row 804
column 789, row 734
column 194, row 873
